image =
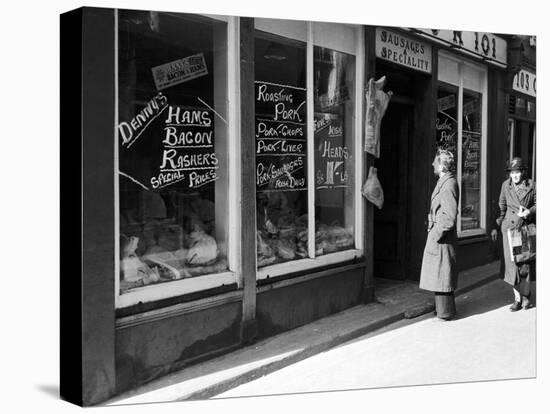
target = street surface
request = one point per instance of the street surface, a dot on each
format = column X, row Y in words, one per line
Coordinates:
column 485, row 342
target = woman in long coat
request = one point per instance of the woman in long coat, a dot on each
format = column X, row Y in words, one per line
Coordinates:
column 517, row 203
column 439, row 272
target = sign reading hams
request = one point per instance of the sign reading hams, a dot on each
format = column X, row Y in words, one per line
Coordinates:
column 403, row 50
column 281, row 135
column 169, row 145
column 188, row 148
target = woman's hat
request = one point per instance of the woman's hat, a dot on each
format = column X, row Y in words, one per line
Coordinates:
column 516, row 164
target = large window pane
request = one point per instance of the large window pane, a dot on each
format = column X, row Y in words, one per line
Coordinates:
column 446, row 122
column 281, row 149
column 334, row 158
column 471, row 160
column 172, row 145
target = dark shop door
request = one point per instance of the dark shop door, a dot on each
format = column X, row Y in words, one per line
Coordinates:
column 390, row 223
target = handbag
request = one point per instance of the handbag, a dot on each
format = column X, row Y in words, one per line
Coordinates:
column 523, row 243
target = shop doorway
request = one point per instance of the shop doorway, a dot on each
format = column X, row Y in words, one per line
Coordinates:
column 390, row 224
column 524, row 145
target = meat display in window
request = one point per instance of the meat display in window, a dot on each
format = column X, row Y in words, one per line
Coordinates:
column 203, row 249
column 134, row 272
column 264, row 251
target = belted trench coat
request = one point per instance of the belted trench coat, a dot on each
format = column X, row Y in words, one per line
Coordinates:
column 509, row 203
column 439, row 268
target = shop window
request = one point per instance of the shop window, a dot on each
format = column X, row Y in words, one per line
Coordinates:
column 460, row 128
column 172, row 137
column 281, row 150
column 334, row 151
column 306, row 140
column 471, row 157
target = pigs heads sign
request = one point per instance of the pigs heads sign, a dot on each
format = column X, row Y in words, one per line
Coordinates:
column 403, row 50
column 331, row 153
column 168, row 145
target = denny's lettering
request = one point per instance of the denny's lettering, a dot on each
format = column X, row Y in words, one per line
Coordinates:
column 281, row 132
column 175, row 146
column 130, row 130
column 403, row 50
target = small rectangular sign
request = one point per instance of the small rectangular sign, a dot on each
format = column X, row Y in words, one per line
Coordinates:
column 447, row 102
column 403, row 50
column 179, row 71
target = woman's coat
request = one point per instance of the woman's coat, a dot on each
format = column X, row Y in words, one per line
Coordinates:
column 439, row 269
column 509, row 203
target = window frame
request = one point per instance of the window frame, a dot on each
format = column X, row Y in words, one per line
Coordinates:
column 294, row 30
column 461, row 62
column 233, row 275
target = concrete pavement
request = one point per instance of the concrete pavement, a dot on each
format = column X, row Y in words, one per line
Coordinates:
column 485, row 342
column 394, row 300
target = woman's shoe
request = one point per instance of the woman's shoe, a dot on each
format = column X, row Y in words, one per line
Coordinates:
column 515, row 307
column 527, row 304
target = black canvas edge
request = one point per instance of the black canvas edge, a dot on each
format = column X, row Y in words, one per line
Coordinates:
column 70, row 207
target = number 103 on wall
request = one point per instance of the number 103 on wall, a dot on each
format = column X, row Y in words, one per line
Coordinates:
column 525, row 82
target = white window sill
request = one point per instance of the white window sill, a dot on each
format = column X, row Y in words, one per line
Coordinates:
column 306, row 264
column 473, row 232
column 166, row 290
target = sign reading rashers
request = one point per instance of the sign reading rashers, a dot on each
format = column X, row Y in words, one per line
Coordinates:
column 176, row 146
column 178, row 71
column 188, row 155
column 403, row 50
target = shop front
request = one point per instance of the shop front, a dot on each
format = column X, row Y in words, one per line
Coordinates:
column 521, row 97
column 222, row 166
column 447, row 93
column 406, row 151
column 228, row 208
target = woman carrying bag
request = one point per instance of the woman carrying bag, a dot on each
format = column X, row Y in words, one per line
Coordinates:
column 517, row 203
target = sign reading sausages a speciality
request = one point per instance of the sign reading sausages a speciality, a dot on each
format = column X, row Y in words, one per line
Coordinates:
column 403, row 50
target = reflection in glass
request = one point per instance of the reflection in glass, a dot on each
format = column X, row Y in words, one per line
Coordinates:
column 334, row 158
column 172, row 148
column 471, row 157
column 446, row 123
column 281, row 149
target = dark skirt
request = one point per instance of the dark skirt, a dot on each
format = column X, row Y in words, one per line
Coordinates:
column 445, row 307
